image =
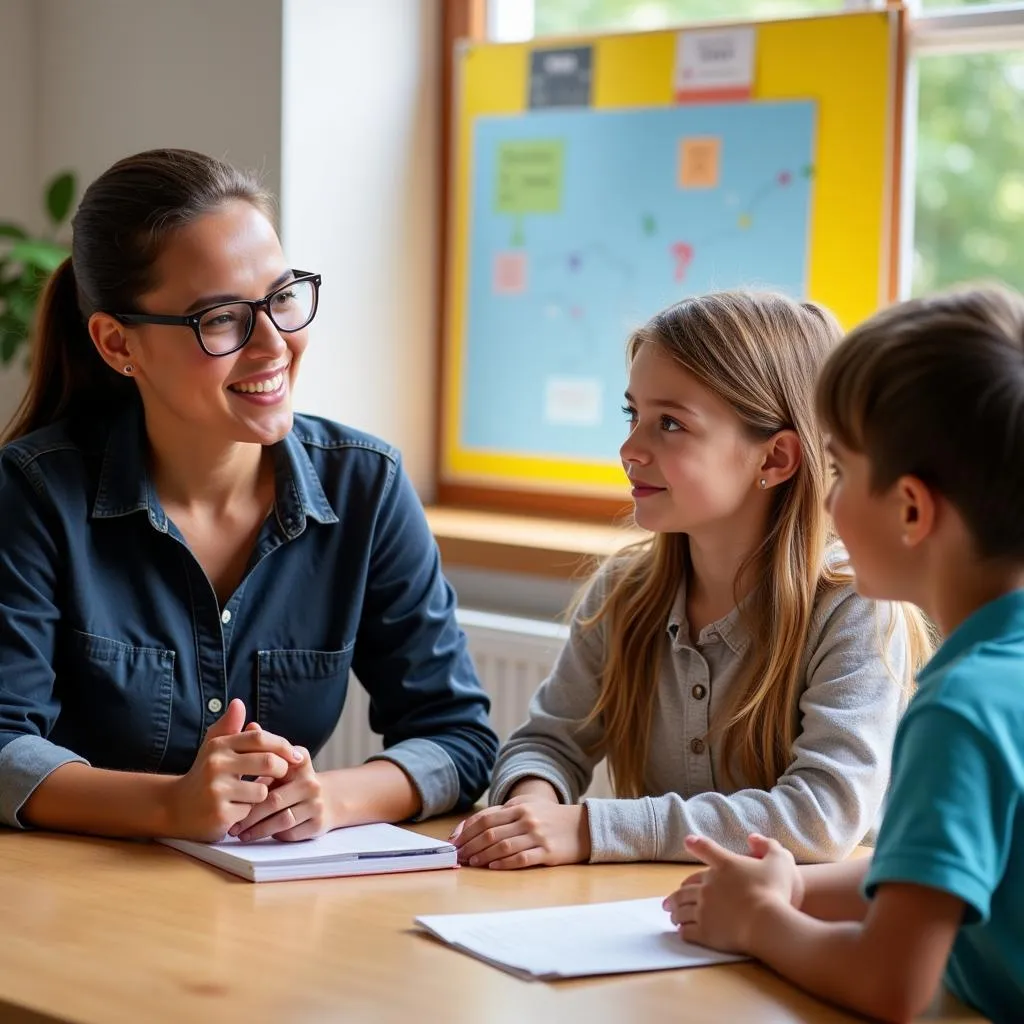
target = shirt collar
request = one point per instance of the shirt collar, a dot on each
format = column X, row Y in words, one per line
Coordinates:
column 125, row 485
column 999, row 621
column 730, row 627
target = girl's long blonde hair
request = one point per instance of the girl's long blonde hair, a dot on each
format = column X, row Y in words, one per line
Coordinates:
column 761, row 353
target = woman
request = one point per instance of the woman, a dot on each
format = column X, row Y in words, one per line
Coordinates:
column 181, row 555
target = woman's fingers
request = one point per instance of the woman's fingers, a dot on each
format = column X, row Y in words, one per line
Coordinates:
column 258, row 765
column 259, row 741
column 272, row 825
column 241, row 791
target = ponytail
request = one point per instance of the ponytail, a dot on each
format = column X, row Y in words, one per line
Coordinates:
column 67, row 375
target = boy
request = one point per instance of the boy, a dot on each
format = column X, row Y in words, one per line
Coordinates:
column 925, row 407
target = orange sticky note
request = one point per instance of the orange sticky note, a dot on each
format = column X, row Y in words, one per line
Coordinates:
column 699, row 160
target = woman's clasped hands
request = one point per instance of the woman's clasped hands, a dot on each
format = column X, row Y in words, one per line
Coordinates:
column 247, row 783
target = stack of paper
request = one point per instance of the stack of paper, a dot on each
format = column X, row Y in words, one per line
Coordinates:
column 571, row 942
column 360, row 850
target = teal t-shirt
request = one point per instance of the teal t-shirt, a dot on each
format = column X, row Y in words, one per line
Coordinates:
column 954, row 819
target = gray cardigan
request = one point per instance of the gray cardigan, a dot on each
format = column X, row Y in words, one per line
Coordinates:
column 825, row 803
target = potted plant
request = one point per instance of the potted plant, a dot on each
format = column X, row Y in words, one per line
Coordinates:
column 25, row 264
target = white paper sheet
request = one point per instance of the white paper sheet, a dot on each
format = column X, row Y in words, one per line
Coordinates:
column 572, row 942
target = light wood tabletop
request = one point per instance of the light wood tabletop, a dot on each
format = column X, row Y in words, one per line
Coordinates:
column 107, row 931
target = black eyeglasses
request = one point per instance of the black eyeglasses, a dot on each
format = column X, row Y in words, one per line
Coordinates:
column 228, row 326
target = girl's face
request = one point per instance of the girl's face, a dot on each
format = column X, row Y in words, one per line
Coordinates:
column 689, row 459
column 231, row 253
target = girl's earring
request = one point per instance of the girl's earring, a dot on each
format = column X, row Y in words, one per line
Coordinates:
column 764, row 483
column 129, row 369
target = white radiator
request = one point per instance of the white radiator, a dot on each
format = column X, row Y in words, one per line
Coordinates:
column 512, row 655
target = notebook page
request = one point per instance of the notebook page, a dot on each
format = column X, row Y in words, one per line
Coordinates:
column 337, row 845
column 568, row 942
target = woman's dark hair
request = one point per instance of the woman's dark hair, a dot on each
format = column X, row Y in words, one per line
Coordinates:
column 118, row 233
column 934, row 388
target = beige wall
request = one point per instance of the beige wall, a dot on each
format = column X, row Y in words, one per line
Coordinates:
column 119, row 76
column 360, row 153
column 83, row 82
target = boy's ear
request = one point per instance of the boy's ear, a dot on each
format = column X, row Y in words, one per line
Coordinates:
column 782, row 457
column 917, row 509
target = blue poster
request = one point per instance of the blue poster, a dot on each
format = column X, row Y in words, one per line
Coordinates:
column 585, row 223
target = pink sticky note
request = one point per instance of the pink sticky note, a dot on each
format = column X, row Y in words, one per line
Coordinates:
column 510, row 273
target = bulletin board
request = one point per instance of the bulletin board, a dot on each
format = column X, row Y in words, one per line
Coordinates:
column 596, row 181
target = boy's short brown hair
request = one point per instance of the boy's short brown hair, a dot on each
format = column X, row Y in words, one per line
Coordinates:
column 934, row 388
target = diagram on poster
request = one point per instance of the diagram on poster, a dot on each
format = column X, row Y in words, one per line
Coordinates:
column 584, row 223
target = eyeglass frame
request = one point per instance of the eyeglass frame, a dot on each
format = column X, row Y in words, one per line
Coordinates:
column 194, row 320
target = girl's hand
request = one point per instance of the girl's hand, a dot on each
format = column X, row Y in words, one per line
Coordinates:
column 718, row 907
column 524, row 832
column 295, row 807
column 212, row 796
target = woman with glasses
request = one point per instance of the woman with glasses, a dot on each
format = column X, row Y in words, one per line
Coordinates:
column 188, row 570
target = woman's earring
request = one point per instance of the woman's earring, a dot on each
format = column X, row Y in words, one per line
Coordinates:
column 129, row 370
column 764, row 483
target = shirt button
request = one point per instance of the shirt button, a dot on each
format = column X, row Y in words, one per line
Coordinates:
column 697, row 746
column 215, row 704
column 225, row 616
column 698, row 692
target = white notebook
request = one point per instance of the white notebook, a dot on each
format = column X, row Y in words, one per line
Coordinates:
column 572, row 942
column 358, row 850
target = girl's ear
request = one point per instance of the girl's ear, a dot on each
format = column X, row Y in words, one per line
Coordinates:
column 782, row 457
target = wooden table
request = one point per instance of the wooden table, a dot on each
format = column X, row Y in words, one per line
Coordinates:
column 100, row 930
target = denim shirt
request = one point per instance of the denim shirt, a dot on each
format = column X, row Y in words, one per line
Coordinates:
column 114, row 650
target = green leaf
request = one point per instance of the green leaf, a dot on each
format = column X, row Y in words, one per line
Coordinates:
column 8, row 230
column 59, row 196
column 47, row 256
column 9, row 345
column 22, row 306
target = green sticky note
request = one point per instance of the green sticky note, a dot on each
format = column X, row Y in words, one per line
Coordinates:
column 530, row 177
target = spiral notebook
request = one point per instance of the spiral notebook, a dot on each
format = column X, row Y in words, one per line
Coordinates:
column 358, row 850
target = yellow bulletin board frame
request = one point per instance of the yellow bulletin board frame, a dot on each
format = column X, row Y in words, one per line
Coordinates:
column 851, row 64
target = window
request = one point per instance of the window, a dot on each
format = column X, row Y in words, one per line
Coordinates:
column 967, row 145
column 557, row 17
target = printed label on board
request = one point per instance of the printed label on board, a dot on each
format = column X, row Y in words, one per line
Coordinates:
column 715, row 64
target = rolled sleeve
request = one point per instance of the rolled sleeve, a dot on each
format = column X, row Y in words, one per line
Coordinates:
column 24, row 763
column 430, row 769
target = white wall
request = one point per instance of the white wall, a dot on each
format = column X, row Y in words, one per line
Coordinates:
column 119, row 76
column 359, row 179
column 19, row 197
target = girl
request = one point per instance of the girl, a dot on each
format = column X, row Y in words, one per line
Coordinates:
column 724, row 667
column 180, row 553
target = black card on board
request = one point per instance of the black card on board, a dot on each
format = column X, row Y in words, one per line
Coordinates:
column 561, row 77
